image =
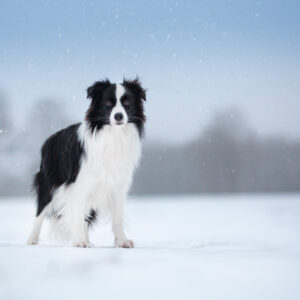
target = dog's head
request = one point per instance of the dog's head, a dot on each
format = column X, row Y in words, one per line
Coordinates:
column 116, row 104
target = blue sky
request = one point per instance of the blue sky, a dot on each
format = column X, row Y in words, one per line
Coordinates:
column 195, row 57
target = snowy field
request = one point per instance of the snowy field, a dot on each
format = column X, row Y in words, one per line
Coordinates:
column 201, row 247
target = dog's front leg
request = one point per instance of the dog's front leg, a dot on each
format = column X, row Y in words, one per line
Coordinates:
column 121, row 239
column 75, row 216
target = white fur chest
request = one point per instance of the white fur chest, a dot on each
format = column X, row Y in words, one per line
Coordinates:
column 111, row 157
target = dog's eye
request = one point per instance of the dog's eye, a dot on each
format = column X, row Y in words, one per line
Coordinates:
column 108, row 103
column 126, row 102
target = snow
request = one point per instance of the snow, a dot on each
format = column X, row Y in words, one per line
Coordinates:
column 187, row 247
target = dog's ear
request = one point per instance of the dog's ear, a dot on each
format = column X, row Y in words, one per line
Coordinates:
column 97, row 88
column 136, row 87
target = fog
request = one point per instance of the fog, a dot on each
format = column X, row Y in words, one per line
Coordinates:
column 226, row 156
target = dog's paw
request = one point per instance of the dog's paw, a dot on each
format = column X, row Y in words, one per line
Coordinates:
column 31, row 241
column 124, row 243
column 82, row 244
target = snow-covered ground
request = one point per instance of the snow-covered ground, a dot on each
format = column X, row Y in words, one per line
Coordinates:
column 200, row 247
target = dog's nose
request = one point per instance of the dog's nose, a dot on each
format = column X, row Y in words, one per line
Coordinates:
column 119, row 117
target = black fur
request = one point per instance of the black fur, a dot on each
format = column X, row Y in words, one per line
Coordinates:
column 60, row 163
column 92, row 217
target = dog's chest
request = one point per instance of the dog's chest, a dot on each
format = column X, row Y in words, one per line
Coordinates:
column 112, row 154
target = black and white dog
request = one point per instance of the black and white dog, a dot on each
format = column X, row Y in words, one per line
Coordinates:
column 88, row 167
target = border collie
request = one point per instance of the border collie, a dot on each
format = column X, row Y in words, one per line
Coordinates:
column 87, row 168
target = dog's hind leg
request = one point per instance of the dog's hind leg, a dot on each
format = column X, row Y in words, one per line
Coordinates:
column 36, row 228
column 43, row 199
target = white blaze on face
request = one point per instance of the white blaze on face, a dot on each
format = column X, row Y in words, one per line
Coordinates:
column 118, row 108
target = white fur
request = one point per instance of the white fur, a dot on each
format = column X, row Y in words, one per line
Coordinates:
column 36, row 229
column 105, row 175
column 118, row 108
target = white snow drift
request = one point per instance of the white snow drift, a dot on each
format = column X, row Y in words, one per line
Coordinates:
column 201, row 247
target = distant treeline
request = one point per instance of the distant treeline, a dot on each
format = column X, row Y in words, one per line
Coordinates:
column 227, row 156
